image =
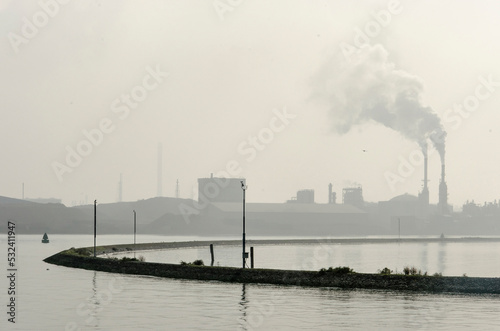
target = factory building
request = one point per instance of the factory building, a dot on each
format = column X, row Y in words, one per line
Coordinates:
column 409, row 213
column 303, row 196
column 223, row 200
column 218, row 189
column 353, row 196
column 401, row 211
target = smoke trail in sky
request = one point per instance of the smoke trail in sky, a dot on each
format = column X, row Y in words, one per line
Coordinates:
column 370, row 88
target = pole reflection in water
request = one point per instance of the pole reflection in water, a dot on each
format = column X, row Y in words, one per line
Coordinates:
column 94, row 304
column 243, row 307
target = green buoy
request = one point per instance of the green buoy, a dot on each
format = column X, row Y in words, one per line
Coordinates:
column 45, row 238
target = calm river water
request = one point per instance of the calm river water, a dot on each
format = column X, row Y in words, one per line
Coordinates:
column 50, row 297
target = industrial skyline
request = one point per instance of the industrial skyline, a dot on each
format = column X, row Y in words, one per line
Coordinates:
column 89, row 95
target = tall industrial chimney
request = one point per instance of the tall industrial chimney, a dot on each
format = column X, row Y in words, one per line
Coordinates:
column 443, row 194
column 424, row 195
column 160, row 165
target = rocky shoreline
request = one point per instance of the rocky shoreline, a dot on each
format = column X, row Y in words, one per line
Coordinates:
column 79, row 258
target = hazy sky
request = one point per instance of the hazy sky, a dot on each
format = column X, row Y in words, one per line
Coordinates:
column 89, row 89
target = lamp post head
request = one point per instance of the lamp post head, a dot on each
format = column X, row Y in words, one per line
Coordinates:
column 243, row 186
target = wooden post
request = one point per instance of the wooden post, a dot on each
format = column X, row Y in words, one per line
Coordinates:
column 212, row 254
column 251, row 257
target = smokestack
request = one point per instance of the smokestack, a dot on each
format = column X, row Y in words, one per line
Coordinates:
column 160, row 165
column 443, row 192
column 424, row 195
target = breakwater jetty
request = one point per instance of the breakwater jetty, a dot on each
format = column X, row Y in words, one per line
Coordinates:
column 80, row 258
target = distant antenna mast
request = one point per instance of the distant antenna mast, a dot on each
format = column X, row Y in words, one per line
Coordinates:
column 177, row 193
column 120, row 188
column 160, row 148
column 23, row 191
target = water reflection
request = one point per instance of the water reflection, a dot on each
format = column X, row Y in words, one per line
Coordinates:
column 424, row 258
column 95, row 304
column 243, row 307
column 442, row 257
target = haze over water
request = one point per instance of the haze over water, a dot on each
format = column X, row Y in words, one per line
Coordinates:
column 128, row 101
column 60, row 297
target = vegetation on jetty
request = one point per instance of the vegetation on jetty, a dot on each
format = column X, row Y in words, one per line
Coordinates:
column 341, row 277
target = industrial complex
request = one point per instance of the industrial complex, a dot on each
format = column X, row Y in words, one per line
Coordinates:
column 404, row 214
column 218, row 210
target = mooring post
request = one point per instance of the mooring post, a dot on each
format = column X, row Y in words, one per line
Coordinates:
column 251, row 257
column 212, row 254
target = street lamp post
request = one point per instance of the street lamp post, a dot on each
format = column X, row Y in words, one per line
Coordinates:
column 244, row 188
column 134, row 230
column 95, row 222
column 134, row 227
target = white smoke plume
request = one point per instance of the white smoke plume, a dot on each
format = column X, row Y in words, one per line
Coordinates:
column 370, row 88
